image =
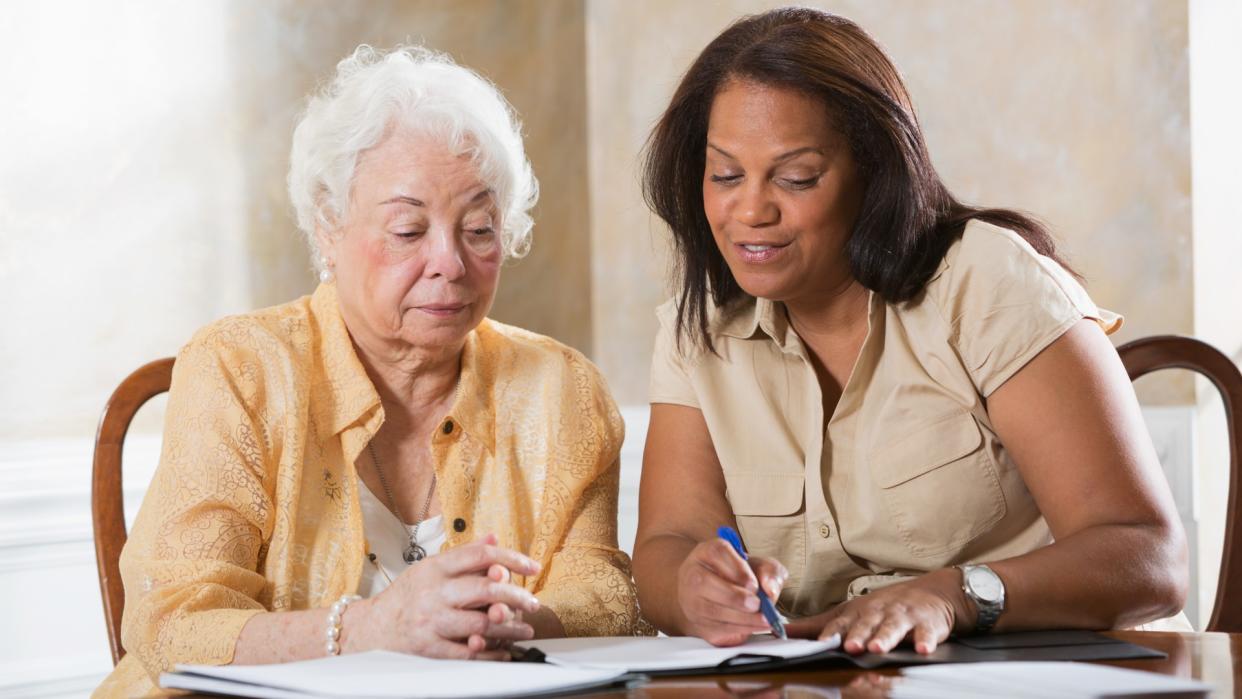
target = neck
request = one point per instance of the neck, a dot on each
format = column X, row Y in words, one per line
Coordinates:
column 413, row 384
column 840, row 309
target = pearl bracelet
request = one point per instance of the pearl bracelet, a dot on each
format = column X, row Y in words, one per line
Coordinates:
column 333, row 646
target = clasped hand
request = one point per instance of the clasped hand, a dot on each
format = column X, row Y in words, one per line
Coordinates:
column 459, row 604
column 717, row 597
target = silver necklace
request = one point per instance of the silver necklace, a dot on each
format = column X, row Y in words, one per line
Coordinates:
column 413, row 552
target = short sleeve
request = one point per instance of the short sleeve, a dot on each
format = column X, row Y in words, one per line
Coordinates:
column 670, row 374
column 1005, row 303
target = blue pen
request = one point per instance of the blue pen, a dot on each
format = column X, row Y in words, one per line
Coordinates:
column 765, row 605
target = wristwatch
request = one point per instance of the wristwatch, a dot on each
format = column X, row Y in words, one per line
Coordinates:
column 985, row 588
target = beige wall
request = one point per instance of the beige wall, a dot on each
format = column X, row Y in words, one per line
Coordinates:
column 145, row 147
column 1075, row 110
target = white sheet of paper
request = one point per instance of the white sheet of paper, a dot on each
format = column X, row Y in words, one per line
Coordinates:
column 637, row 654
column 1035, row 680
column 385, row 675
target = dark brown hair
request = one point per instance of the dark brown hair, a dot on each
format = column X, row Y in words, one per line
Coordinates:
column 907, row 219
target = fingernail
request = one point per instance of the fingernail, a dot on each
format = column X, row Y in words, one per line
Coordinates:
column 752, row 603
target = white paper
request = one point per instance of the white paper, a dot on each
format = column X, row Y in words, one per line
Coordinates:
column 638, row 654
column 1036, row 680
column 384, row 675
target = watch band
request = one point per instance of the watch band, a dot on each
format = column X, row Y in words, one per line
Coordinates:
column 987, row 612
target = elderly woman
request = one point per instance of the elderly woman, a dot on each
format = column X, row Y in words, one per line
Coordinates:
column 908, row 406
column 381, row 438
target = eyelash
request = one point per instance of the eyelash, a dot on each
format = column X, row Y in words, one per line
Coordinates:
column 793, row 184
column 480, row 232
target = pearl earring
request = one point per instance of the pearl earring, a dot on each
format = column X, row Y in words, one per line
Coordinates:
column 325, row 271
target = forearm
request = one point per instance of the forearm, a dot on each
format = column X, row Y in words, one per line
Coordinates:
column 1108, row 576
column 278, row 637
column 656, row 563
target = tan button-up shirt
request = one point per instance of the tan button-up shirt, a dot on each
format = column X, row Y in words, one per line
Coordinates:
column 907, row 475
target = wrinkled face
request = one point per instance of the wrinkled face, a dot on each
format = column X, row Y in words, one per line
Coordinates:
column 418, row 256
column 780, row 190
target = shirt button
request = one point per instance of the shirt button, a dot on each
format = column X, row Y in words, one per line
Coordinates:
column 825, row 530
column 459, row 525
column 448, row 427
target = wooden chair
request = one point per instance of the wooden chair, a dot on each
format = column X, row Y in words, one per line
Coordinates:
column 1174, row 352
column 107, row 498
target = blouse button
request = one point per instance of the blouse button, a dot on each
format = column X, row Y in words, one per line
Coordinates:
column 448, row 429
column 459, row 525
column 825, row 530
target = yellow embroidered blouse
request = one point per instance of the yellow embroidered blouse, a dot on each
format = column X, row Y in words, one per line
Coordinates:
column 254, row 506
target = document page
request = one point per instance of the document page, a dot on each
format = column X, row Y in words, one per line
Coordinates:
column 625, row 653
column 386, row 675
column 1036, row 680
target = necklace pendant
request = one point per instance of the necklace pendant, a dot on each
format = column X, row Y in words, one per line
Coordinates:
column 414, row 553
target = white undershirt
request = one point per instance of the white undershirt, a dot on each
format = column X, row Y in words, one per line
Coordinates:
column 387, row 538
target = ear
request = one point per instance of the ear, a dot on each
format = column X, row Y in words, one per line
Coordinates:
column 328, row 235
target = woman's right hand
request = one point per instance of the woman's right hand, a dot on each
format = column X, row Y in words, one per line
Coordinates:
column 457, row 604
column 717, row 592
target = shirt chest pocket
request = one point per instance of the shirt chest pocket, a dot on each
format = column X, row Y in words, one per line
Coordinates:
column 939, row 486
column 769, row 512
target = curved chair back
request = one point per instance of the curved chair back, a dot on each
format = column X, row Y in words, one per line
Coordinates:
column 107, row 497
column 1175, row 352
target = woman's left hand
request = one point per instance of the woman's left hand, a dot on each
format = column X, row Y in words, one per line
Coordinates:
column 925, row 610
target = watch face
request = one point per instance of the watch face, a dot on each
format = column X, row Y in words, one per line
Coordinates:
column 985, row 584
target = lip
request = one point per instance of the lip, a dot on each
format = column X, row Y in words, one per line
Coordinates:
column 753, row 257
column 442, row 310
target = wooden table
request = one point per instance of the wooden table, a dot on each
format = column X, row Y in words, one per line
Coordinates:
column 1215, row 658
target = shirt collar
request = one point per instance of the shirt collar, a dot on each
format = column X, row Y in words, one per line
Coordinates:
column 473, row 409
column 742, row 319
column 343, row 393
column 345, row 396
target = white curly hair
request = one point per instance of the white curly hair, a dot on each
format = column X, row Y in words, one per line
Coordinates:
column 412, row 87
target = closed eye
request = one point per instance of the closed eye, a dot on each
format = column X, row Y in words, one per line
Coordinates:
column 802, row 184
column 725, row 179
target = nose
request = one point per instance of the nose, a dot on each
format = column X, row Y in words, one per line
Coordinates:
column 444, row 255
column 755, row 207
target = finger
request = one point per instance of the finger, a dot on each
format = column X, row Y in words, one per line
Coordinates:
column 928, row 636
column 498, row 655
column 709, row 587
column 509, row 632
column 706, row 612
column 500, row 613
column 476, row 643
column 498, row 573
column 719, row 557
column 475, row 593
column 836, row 626
column 855, row 637
column 889, row 633
column 459, row 625
column 448, row 650
column 480, row 556
column 770, row 573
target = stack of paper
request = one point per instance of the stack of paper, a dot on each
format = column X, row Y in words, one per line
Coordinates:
column 1039, row 680
column 667, row 654
column 385, row 675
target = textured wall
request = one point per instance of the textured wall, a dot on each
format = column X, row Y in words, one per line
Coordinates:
column 145, row 148
column 1075, row 110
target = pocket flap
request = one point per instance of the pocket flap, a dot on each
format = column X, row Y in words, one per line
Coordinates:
column 765, row 493
column 925, row 448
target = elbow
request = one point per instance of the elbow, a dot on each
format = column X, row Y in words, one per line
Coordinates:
column 1174, row 585
column 1167, row 576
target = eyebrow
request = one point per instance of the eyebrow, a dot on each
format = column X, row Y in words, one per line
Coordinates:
column 779, row 159
column 402, row 199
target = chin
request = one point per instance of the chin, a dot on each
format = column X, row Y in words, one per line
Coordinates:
column 764, row 288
